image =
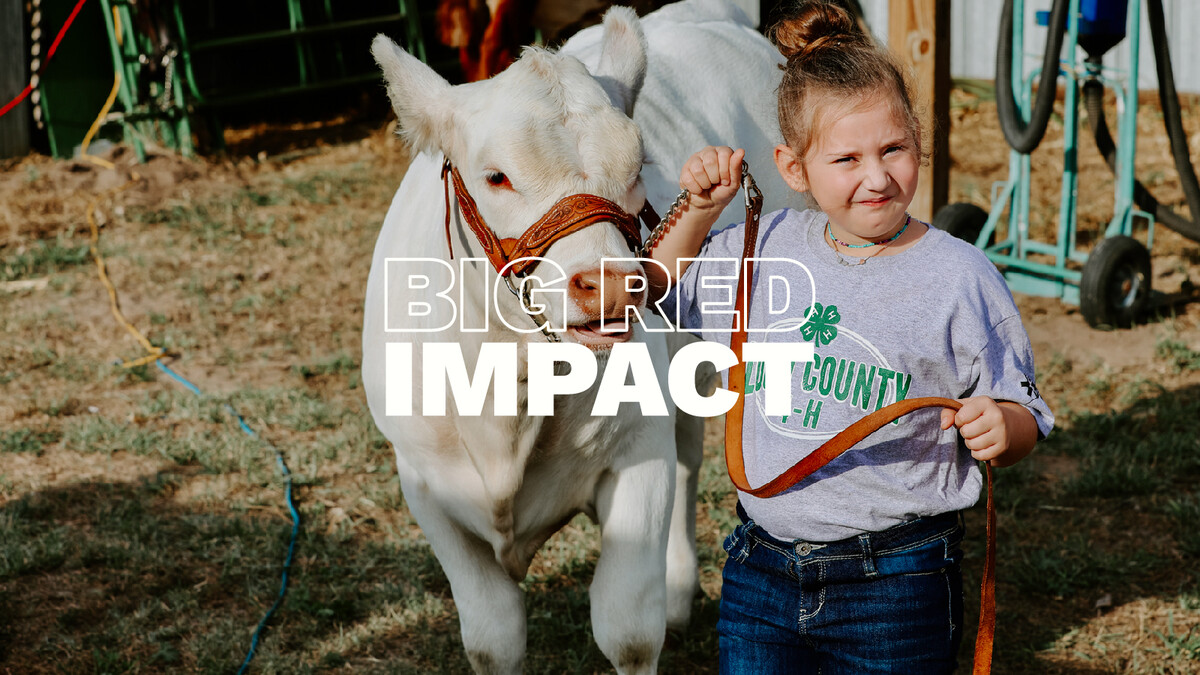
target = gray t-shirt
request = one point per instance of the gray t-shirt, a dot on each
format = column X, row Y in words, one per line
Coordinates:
column 934, row 320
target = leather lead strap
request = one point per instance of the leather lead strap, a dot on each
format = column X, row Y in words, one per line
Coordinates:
column 446, row 191
column 843, row 441
column 987, row 595
column 648, row 215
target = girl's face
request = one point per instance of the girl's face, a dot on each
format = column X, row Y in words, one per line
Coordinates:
column 862, row 171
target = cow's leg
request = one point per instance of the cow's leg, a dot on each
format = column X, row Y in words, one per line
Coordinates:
column 628, row 592
column 683, row 573
column 491, row 607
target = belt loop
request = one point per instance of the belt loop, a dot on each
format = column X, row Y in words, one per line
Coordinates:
column 864, row 540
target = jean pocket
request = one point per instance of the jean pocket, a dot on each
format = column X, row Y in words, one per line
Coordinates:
column 737, row 544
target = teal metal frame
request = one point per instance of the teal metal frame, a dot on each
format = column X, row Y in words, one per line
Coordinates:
column 1061, row 277
column 165, row 119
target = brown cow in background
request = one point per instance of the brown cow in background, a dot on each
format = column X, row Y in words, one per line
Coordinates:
column 489, row 34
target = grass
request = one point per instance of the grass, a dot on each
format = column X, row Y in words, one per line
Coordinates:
column 44, row 258
column 25, row 440
column 1181, row 647
column 192, row 575
column 1178, row 355
column 1074, row 565
column 190, row 583
column 1144, row 449
column 339, row 364
column 1184, row 513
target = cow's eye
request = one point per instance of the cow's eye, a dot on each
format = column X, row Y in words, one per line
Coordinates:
column 497, row 179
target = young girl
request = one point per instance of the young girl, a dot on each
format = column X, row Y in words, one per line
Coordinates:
column 857, row 568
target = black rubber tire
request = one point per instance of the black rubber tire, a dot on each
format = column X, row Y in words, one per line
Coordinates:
column 962, row 220
column 1115, row 289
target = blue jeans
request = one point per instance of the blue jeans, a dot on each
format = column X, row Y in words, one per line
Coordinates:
column 882, row 602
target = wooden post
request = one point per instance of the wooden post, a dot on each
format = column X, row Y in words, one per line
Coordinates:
column 919, row 33
column 14, row 75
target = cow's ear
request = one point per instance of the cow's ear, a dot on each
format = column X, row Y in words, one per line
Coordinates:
column 420, row 97
column 622, row 68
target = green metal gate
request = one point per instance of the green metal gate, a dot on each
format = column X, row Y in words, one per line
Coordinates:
column 183, row 64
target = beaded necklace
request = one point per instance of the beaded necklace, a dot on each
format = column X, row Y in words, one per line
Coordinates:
column 834, row 241
column 894, row 237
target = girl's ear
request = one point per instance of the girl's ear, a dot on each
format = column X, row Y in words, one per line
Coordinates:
column 791, row 168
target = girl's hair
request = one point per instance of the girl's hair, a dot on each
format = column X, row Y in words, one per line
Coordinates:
column 830, row 58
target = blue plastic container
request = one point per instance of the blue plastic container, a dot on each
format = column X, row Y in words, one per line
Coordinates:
column 1101, row 24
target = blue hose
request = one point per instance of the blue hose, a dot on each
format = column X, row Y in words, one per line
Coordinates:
column 291, row 504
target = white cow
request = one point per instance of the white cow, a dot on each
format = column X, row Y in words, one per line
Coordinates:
column 488, row 489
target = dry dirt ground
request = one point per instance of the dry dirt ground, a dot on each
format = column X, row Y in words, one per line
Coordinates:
column 250, row 270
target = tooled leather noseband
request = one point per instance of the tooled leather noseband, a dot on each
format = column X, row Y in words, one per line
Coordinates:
column 568, row 215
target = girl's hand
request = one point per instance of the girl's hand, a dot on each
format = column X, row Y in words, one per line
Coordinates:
column 713, row 176
column 1000, row 433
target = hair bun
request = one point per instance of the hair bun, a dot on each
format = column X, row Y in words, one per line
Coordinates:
column 808, row 27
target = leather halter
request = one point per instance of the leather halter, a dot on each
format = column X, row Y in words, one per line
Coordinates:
column 568, row 215
column 840, row 443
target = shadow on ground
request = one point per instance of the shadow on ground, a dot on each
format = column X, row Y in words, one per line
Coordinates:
column 112, row 577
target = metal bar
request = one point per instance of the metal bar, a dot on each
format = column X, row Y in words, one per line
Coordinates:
column 989, row 228
column 1044, row 248
column 237, row 99
column 295, row 22
column 185, row 55
column 412, row 25
column 1070, row 182
column 337, row 45
column 304, row 31
column 183, row 124
column 1018, row 215
column 1122, row 222
column 1039, row 268
column 119, row 43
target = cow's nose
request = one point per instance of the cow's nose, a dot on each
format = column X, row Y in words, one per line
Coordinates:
column 605, row 293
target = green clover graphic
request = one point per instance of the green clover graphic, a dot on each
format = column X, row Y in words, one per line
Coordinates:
column 820, row 325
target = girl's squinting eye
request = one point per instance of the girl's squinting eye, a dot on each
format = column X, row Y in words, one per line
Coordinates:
column 497, row 179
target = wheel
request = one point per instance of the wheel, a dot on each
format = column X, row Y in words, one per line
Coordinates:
column 1115, row 288
column 962, row 220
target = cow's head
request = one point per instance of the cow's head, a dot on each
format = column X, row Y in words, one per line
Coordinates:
column 544, row 129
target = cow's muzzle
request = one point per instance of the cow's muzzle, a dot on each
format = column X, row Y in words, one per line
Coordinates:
column 606, row 299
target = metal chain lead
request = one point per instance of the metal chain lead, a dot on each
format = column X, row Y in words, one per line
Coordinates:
column 749, row 188
column 659, row 230
column 166, row 101
column 754, row 196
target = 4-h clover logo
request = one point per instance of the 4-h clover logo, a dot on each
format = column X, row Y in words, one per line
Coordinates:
column 820, row 328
